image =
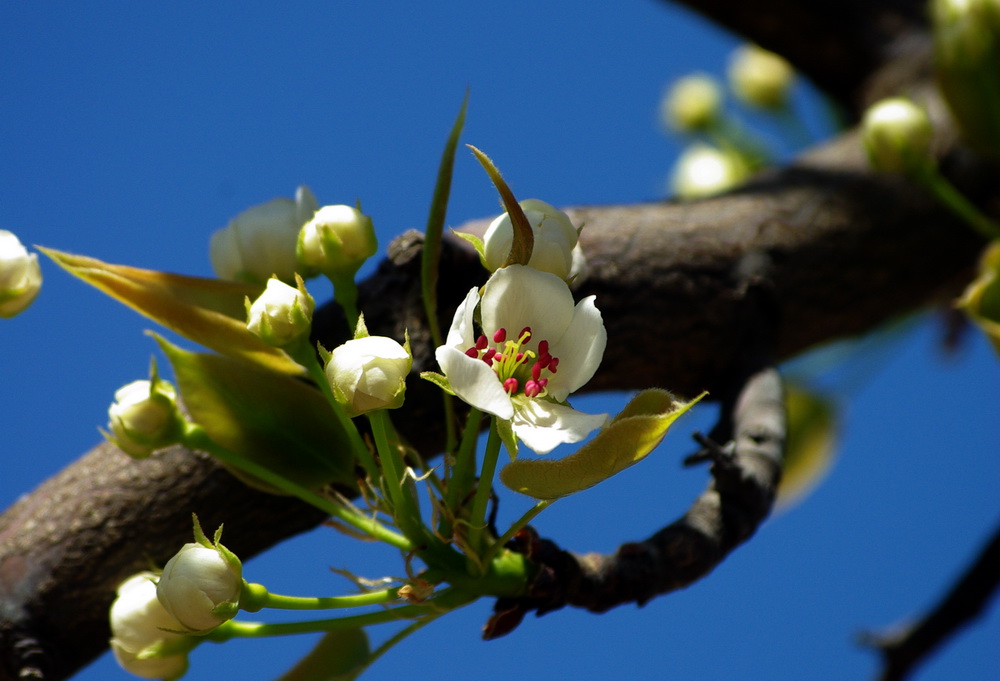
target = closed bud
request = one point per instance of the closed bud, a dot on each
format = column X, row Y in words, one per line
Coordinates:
column 555, row 239
column 144, row 417
column 144, row 636
column 260, row 242
column 369, row 373
column 693, row 103
column 336, row 242
column 201, row 585
column 703, row 171
column 897, row 135
column 20, row 275
column 760, row 78
column 282, row 314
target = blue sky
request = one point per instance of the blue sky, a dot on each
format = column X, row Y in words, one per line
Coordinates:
column 131, row 131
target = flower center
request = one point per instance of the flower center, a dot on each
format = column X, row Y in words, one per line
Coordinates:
column 521, row 371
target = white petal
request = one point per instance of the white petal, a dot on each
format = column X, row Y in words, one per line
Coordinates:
column 542, row 425
column 519, row 296
column 579, row 350
column 474, row 382
column 460, row 335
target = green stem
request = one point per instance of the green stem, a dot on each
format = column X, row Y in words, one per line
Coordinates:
column 955, row 201
column 450, row 599
column 481, row 500
column 195, row 437
column 513, row 529
column 272, row 600
column 463, row 472
column 345, row 292
column 404, row 506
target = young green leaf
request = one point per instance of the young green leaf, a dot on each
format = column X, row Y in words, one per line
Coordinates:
column 626, row 440
column 341, row 655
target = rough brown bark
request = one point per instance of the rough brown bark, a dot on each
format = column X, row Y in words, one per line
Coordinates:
column 850, row 251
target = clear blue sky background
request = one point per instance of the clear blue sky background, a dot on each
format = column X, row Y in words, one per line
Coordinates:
column 131, row 131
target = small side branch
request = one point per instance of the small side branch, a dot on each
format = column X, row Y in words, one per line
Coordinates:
column 902, row 651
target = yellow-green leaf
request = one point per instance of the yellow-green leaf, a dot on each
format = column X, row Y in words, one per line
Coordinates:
column 981, row 300
column 208, row 311
column 341, row 655
column 810, row 446
column 626, row 440
column 270, row 418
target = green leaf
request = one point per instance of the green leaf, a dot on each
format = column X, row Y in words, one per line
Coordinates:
column 208, row 311
column 524, row 237
column 270, row 418
column 341, row 655
column 626, row 440
column 981, row 300
column 476, row 243
column 811, row 444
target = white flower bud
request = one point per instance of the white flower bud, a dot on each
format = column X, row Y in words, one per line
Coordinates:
column 704, row 171
column 759, row 77
column 336, row 242
column 692, row 103
column 897, row 135
column 139, row 626
column 555, row 239
column 369, row 373
column 144, row 417
column 260, row 242
column 201, row 586
column 20, row 275
column 282, row 314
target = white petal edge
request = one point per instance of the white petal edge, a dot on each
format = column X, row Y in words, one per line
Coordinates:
column 580, row 350
column 543, row 425
column 460, row 334
column 518, row 296
column 474, row 382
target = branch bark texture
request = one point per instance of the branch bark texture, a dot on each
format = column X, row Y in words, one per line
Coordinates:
column 849, row 251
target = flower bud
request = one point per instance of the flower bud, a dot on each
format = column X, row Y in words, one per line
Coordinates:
column 703, row 171
column 201, row 586
column 555, row 239
column 693, row 103
column 282, row 314
column 260, row 242
column 897, row 135
column 336, row 242
column 369, row 373
column 20, row 275
column 144, row 417
column 760, row 78
column 141, row 628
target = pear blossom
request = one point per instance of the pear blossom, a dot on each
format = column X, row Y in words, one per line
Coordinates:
column 369, row 373
column 536, row 347
column 336, row 241
column 692, row 103
column 897, row 135
column 20, row 275
column 144, row 417
column 201, row 586
column 760, row 77
column 555, row 242
column 140, row 625
column 282, row 314
column 260, row 241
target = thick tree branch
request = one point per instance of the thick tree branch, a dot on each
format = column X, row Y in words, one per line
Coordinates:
column 850, row 251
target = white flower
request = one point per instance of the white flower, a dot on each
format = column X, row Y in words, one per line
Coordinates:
column 369, row 373
column 555, row 239
column 704, row 171
column 20, row 275
column 692, row 103
column 897, row 135
column 338, row 239
column 282, row 314
column 760, row 77
column 138, row 624
column 260, row 241
column 144, row 417
column 535, row 349
column 201, row 586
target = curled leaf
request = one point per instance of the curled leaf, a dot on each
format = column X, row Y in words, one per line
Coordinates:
column 267, row 417
column 524, row 237
column 208, row 311
column 626, row 440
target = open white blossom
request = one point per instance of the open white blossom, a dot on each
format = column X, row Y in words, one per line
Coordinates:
column 535, row 349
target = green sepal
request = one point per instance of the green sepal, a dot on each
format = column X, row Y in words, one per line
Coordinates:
column 476, row 243
column 361, row 330
column 981, row 300
column 208, row 311
column 270, row 418
column 505, row 429
column 523, row 241
column 440, row 380
column 626, row 440
column 341, row 655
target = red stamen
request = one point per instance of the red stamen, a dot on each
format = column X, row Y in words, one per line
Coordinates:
column 536, row 371
column 473, row 353
column 543, row 347
column 488, row 357
column 532, row 389
column 510, row 385
column 500, row 336
column 554, row 364
column 481, row 343
column 525, row 335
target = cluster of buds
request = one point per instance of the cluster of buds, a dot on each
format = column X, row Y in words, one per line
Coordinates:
column 20, row 275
